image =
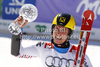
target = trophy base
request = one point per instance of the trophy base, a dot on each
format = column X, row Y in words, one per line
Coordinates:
column 14, row 28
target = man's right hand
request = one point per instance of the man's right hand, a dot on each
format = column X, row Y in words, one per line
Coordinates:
column 20, row 20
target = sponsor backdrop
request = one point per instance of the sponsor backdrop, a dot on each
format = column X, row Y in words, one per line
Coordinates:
column 47, row 10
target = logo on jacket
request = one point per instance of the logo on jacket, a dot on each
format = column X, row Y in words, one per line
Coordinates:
column 51, row 61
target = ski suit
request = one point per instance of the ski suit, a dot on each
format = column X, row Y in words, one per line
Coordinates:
column 50, row 55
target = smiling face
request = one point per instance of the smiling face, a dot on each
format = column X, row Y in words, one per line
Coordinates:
column 60, row 34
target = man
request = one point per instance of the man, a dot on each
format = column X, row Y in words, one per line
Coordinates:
column 58, row 53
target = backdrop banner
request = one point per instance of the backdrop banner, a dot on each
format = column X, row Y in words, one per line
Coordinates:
column 48, row 9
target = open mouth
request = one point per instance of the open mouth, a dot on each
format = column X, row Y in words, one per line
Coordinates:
column 57, row 37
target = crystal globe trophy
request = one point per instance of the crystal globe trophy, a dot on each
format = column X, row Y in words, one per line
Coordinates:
column 28, row 12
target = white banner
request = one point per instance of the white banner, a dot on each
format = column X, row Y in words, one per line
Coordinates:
column 45, row 28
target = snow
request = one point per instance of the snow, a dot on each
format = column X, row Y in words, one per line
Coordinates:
column 7, row 60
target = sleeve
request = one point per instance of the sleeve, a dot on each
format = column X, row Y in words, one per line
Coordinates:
column 87, row 62
column 15, row 44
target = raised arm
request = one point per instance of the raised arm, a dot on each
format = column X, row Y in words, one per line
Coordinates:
column 15, row 41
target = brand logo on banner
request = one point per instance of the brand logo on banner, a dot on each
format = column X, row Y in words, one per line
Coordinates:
column 95, row 6
column 40, row 28
column 11, row 8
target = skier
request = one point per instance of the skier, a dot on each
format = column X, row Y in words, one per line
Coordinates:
column 60, row 52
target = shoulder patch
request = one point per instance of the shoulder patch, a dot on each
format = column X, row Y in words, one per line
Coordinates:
column 50, row 45
column 73, row 48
